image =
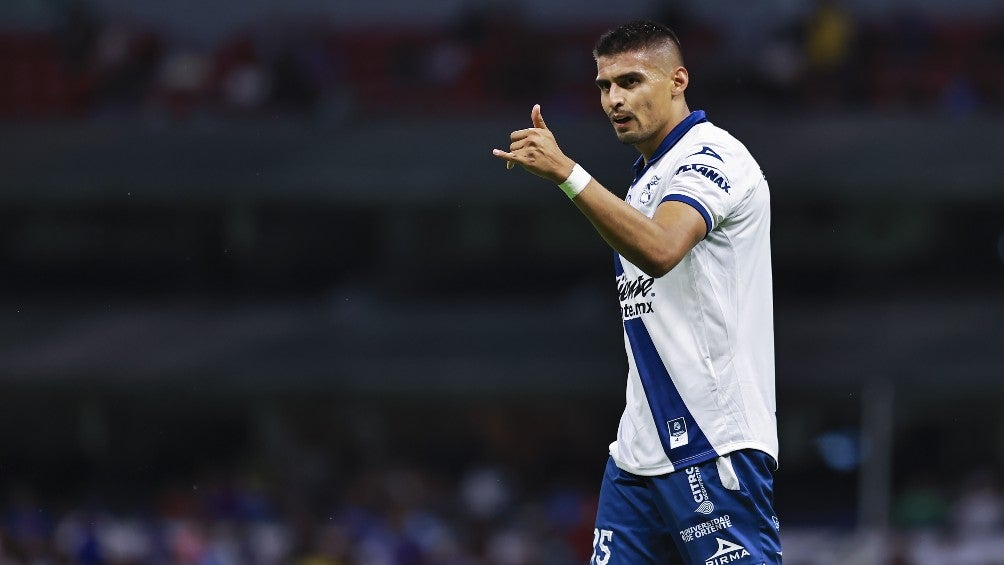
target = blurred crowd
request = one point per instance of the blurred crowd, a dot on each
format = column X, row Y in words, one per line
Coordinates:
column 401, row 516
column 416, row 483
column 401, row 486
column 86, row 65
column 413, row 515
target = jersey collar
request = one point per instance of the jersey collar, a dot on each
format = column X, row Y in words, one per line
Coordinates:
column 681, row 129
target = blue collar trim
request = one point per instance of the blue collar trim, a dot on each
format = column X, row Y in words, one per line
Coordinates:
column 681, row 129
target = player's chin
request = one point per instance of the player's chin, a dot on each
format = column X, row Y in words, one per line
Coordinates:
column 629, row 137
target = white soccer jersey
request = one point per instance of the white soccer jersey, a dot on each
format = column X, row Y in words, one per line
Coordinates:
column 700, row 339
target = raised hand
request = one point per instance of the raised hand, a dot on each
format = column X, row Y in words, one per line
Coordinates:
column 536, row 150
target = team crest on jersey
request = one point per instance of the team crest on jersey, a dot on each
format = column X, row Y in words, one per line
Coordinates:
column 678, row 433
column 646, row 193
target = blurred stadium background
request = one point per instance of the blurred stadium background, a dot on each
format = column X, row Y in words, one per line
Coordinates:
column 268, row 298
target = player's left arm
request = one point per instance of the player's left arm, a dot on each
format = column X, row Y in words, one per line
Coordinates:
column 655, row 245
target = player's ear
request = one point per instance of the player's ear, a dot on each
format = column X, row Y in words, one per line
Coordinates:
column 681, row 78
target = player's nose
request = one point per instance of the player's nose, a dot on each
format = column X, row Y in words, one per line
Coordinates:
column 612, row 100
column 616, row 96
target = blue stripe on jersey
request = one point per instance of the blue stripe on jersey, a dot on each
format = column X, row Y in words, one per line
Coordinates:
column 618, row 268
column 664, row 399
column 697, row 206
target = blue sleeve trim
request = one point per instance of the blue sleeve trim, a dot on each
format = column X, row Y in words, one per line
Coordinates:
column 696, row 205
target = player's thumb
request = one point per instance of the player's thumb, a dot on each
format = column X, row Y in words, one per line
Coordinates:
column 536, row 118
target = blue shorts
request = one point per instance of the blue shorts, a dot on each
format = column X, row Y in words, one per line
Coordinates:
column 721, row 511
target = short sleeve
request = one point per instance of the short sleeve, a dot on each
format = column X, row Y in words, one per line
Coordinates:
column 702, row 180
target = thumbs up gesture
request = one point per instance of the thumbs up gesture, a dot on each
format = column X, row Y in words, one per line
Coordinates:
column 536, row 150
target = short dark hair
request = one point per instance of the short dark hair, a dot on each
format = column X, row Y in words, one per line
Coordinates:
column 635, row 36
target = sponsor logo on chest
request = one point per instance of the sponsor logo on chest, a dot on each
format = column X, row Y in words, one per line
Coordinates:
column 635, row 295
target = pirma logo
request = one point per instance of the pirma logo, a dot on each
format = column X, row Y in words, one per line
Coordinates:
column 708, row 151
column 728, row 552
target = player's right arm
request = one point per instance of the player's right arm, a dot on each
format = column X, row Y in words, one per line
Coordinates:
column 655, row 245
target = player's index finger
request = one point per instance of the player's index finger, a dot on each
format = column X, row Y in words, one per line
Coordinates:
column 520, row 134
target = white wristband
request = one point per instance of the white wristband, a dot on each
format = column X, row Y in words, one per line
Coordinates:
column 575, row 182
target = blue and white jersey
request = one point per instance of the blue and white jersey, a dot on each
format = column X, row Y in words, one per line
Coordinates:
column 700, row 339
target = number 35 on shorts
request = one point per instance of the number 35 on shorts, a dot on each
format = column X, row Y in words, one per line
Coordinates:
column 601, row 551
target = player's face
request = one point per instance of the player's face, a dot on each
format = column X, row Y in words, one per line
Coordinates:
column 636, row 92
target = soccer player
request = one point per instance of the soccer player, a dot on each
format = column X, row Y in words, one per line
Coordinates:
column 690, row 477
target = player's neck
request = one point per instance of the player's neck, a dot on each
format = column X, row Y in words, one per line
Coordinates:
column 647, row 149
